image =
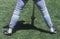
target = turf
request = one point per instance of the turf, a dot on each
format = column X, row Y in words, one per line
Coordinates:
column 28, row 31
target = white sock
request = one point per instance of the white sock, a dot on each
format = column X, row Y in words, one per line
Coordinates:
column 52, row 29
column 10, row 30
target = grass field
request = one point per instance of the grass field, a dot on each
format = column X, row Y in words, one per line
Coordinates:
column 26, row 31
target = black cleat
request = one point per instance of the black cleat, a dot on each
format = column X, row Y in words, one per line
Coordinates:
column 53, row 30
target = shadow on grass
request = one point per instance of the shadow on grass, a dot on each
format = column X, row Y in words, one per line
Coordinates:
column 21, row 26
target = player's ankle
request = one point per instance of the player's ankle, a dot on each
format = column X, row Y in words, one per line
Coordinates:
column 10, row 30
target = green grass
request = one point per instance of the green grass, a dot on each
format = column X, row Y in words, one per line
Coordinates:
column 7, row 7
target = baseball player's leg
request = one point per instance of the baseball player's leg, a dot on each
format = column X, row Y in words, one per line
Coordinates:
column 41, row 4
column 15, row 16
column 16, row 13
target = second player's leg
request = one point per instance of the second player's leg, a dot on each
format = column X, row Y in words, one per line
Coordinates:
column 41, row 4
